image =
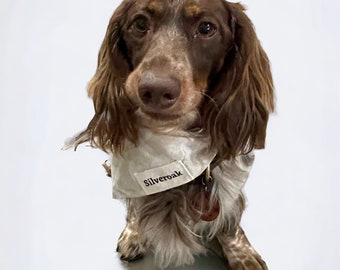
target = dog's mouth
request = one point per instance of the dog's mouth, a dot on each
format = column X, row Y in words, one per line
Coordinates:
column 166, row 119
column 160, row 115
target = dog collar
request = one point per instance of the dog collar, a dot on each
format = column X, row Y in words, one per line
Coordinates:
column 159, row 162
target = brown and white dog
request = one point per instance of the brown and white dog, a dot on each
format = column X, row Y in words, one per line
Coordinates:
column 193, row 67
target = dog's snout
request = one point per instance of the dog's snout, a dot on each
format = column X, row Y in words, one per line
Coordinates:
column 159, row 92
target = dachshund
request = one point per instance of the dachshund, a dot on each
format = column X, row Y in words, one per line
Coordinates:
column 191, row 69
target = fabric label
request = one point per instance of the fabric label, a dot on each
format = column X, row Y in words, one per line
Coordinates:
column 163, row 178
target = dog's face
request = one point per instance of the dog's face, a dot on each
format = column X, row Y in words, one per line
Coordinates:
column 173, row 47
column 181, row 65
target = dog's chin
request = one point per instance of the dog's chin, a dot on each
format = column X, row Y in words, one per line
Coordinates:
column 165, row 120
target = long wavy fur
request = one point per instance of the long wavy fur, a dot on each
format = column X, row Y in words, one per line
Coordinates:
column 234, row 114
column 114, row 120
column 242, row 93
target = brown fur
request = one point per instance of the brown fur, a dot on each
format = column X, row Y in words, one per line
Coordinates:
column 226, row 92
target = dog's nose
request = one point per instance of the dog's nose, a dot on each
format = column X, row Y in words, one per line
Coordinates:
column 159, row 93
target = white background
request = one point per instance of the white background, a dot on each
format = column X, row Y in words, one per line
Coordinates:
column 56, row 210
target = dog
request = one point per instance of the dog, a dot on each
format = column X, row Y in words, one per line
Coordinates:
column 184, row 71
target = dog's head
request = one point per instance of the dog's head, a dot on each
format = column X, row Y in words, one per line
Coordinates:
column 181, row 64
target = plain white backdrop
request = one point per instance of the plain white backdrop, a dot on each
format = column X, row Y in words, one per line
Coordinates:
column 56, row 210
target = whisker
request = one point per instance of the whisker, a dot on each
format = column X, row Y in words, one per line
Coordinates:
column 210, row 99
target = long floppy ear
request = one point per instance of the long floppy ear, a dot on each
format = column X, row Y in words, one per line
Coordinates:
column 242, row 92
column 113, row 121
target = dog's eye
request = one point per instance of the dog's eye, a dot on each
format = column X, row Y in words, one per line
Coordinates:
column 141, row 24
column 206, row 29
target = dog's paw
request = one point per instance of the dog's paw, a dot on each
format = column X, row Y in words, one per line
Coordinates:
column 253, row 262
column 239, row 252
column 129, row 247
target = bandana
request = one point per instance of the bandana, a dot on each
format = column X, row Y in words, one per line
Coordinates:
column 159, row 162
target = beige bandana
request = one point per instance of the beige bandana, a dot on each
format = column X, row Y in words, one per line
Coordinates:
column 158, row 163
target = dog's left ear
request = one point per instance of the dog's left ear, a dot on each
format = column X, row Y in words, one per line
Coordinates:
column 242, row 92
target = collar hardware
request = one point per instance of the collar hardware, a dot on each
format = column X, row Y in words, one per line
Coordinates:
column 207, row 181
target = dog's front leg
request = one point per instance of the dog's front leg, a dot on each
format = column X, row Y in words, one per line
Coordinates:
column 129, row 244
column 239, row 252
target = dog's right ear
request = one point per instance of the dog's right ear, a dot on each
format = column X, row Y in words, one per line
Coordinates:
column 113, row 121
column 113, row 62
